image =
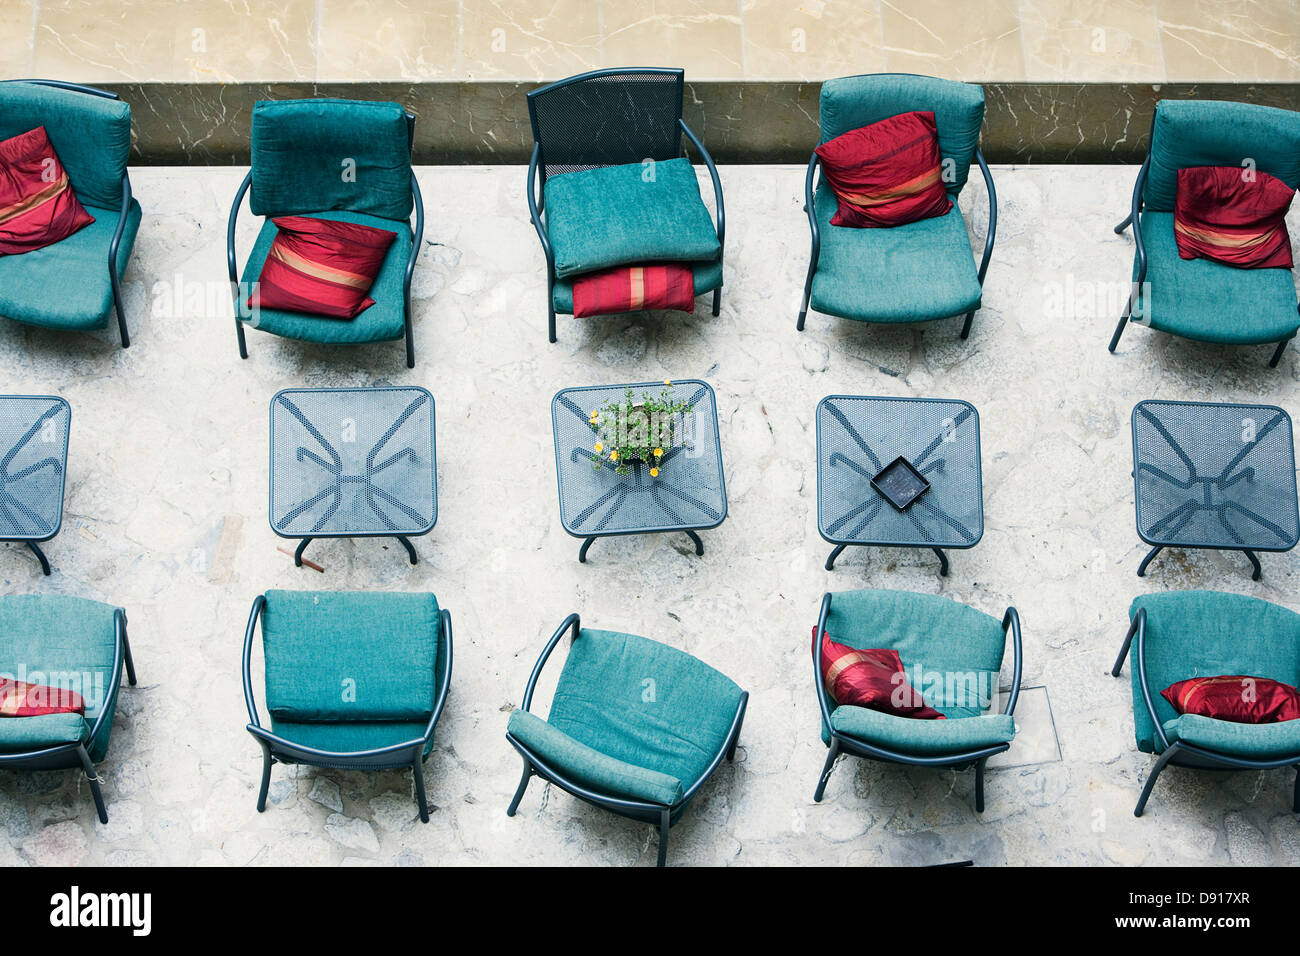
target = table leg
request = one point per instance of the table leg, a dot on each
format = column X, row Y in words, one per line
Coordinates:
column 1254, row 563
column 297, row 554
column 830, row 561
column 410, row 550
column 699, row 545
column 582, row 552
column 943, row 562
column 45, row 564
column 1142, row 568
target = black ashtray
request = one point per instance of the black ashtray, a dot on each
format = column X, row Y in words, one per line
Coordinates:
column 900, row 484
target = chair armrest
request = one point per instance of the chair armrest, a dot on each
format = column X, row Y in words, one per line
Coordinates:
column 444, row 618
column 116, row 241
column 993, row 214
column 283, row 744
column 1141, row 643
column 813, row 163
column 1011, row 620
column 732, row 733
column 119, row 655
column 721, row 216
column 417, row 239
column 569, row 623
column 816, row 657
column 231, row 264
column 74, row 87
column 258, row 603
column 537, row 206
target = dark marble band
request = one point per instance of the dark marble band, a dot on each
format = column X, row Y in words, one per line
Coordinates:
column 739, row 121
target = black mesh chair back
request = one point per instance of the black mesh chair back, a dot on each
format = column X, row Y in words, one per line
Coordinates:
column 607, row 118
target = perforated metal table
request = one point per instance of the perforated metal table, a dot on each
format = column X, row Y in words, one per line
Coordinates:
column 33, row 467
column 689, row 495
column 1214, row 476
column 353, row 463
column 859, row 437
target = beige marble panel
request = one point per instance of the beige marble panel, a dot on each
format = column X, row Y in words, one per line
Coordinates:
column 16, row 27
column 1240, row 40
column 156, row 40
column 969, row 41
column 1108, row 41
column 701, row 36
column 528, row 39
column 388, row 39
column 812, row 39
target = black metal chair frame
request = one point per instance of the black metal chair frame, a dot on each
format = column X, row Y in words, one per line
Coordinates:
column 536, row 190
column 1134, row 218
column 654, row 813
column 841, row 743
column 417, row 237
column 71, row 756
column 116, row 242
column 810, row 189
column 276, row 749
column 1180, row 754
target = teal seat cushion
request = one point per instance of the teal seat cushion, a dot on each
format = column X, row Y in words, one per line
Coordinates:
column 1209, row 301
column 923, row 270
column 66, row 285
column 64, row 642
column 91, row 134
column 330, row 154
column 908, row 735
column 382, row 322
column 352, row 737
column 21, row 734
column 1208, row 634
column 644, row 704
column 613, row 216
column 1257, row 741
column 707, row 277
column 591, row 768
column 350, row 656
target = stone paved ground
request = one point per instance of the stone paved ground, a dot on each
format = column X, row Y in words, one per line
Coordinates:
column 165, row 515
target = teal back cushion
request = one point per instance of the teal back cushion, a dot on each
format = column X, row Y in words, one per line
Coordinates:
column 350, row 656
column 851, row 102
column 323, row 154
column 1209, row 634
column 644, row 703
column 91, row 134
column 951, row 653
column 65, row 642
column 1219, row 133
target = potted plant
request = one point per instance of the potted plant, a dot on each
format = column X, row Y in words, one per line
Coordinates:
column 638, row 430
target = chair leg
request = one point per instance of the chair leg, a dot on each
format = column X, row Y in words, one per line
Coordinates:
column 1123, row 650
column 243, row 344
column 1151, row 780
column 121, row 313
column 417, row 771
column 826, row 771
column 1119, row 329
column 663, row 838
column 1277, row 355
column 731, row 751
column 126, row 653
column 965, row 329
column 1124, row 225
column 1295, row 793
column 91, row 779
column 979, row 784
column 262, row 791
column 410, row 345
column 519, row 793
column 807, row 295
column 717, row 300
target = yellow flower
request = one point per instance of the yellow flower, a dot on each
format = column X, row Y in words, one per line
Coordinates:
column 599, row 447
column 659, row 452
column 613, row 454
column 668, row 381
column 654, row 472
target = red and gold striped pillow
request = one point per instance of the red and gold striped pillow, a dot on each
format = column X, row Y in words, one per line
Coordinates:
column 1232, row 215
column 1242, row 700
column 321, row 267
column 666, row 285
column 37, row 204
column 872, row 678
column 887, row 173
column 21, row 699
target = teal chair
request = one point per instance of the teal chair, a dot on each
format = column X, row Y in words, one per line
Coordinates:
column 354, row 680
column 609, row 184
column 924, row 270
column 956, row 651
column 635, row 726
column 75, row 284
column 345, row 160
column 73, row 644
column 1177, row 635
column 1199, row 298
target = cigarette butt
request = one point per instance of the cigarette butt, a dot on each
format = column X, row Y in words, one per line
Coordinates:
column 307, row 562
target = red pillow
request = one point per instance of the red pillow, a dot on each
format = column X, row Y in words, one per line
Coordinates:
column 669, row 285
column 321, row 267
column 1243, row 700
column 870, row 678
column 37, row 204
column 886, row 174
column 20, row 699
column 1221, row 214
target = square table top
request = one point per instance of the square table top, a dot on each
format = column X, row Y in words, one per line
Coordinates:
column 353, row 462
column 858, row 436
column 690, row 492
column 1214, row 475
column 33, row 465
